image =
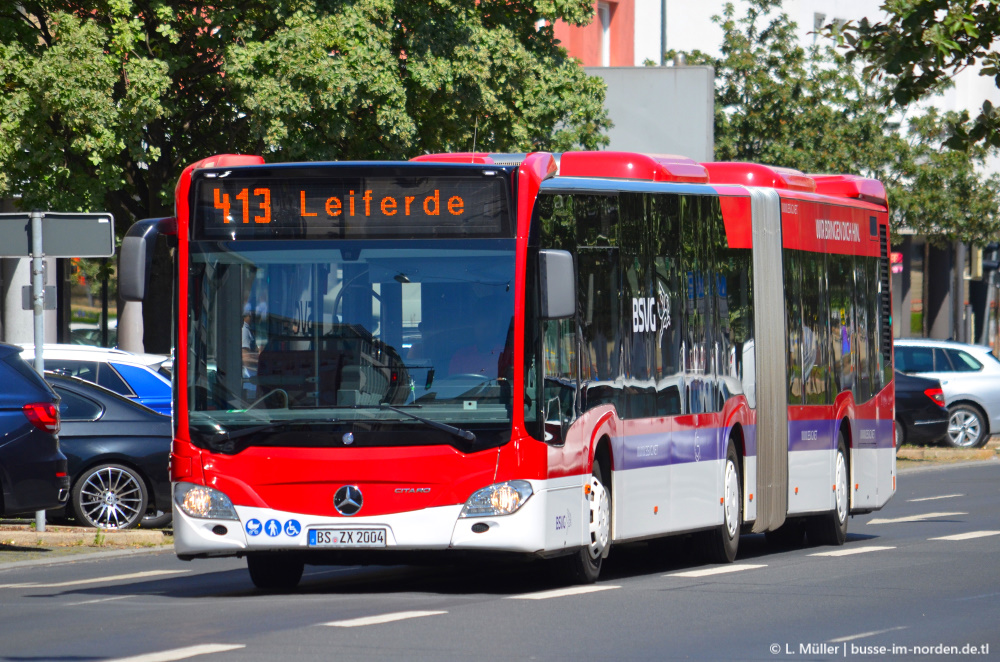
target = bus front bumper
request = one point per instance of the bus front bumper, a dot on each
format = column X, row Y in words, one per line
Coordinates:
column 532, row 529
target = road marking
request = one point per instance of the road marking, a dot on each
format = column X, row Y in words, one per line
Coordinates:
column 90, row 602
column 854, row 550
column 721, row 570
column 968, row 536
column 913, row 518
column 98, row 580
column 977, row 597
column 946, row 496
column 331, row 572
column 562, row 592
column 180, row 653
column 862, row 635
column 383, row 618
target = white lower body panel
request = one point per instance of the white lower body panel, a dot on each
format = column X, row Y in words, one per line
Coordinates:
column 659, row 500
column 810, row 481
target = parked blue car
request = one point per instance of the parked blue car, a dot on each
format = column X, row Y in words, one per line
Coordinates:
column 33, row 474
column 134, row 376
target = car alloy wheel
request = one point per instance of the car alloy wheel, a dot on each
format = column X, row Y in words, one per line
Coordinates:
column 110, row 496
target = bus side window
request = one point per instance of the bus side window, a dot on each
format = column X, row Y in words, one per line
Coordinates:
column 559, row 393
column 793, row 322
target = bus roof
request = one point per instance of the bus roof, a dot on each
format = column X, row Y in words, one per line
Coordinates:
column 673, row 168
column 651, row 167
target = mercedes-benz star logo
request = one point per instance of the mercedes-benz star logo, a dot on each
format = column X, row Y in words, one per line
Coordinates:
column 348, row 500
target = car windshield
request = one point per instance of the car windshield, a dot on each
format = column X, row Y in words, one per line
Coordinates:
column 305, row 332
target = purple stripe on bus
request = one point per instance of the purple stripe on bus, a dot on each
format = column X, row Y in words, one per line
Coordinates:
column 818, row 435
column 707, row 444
column 667, row 448
column 750, row 440
column 814, row 435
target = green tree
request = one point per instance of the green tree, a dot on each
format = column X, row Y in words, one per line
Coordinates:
column 920, row 47
column 779, row 103
column 942, row 192
column 808, row 109
column 104, row 102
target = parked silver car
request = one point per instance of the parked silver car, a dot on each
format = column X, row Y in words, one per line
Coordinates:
column 970, row 378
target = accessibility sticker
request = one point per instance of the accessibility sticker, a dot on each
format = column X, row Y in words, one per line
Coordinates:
column 292, row 528
column 272, row 528
column 254, row 527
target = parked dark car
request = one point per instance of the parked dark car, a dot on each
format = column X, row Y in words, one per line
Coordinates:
column 921, row 417
column 118, row 452
column 33, row 474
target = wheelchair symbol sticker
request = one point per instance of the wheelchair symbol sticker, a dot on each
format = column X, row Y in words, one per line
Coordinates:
column 272, row 528
column 254, row 527
column 292, row 528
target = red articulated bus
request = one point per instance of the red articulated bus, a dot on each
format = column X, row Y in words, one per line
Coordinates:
column 541, row 354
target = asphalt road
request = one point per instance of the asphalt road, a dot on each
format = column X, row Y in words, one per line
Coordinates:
column 917, row 577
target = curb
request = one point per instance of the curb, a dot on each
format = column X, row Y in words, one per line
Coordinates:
column 938, row 466
column 83, row 537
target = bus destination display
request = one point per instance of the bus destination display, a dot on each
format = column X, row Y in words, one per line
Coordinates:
column 275, row 208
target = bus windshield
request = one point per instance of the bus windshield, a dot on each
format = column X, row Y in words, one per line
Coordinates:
column 359, row 337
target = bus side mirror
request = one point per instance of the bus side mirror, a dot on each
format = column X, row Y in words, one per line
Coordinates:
column 558, row 284
column 137, row 255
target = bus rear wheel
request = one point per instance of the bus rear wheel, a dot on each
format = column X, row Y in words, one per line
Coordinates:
column 274, row 572
column 831, row 528
column 584, row 566
column 723, row 542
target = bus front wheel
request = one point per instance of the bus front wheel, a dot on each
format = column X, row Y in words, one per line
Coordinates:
column 723, row 542
column 584, row 566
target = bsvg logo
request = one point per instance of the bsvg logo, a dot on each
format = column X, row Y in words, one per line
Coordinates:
column 643, row 315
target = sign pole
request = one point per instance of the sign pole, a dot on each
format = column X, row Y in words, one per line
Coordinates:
column 69, row 235
column 38, row 308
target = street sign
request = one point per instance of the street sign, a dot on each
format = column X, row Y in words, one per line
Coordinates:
column 27, row 295
column 63, row 234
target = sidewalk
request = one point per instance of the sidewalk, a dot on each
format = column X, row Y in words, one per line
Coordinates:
column 20, row 542
column 912, row 456
column 24, row 535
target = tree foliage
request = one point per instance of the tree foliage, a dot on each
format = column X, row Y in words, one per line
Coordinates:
column 920, row 47
column 782, row 104
column 104, row 102
column 942, row 192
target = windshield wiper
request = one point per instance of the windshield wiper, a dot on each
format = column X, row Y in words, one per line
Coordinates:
column 468, row 435
column 224, row 439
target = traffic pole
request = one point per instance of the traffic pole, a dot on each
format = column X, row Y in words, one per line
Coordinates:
column 38, row 311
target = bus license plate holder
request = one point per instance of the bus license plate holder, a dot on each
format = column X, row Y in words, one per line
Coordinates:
column 371, row 537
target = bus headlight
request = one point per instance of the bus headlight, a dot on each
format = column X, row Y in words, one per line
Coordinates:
column 203, row 502
column 499, row 499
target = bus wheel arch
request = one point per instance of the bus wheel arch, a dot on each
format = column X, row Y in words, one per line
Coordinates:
column 602, row 469
column 737, row 438
column 584, row 565
column 722, row 542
